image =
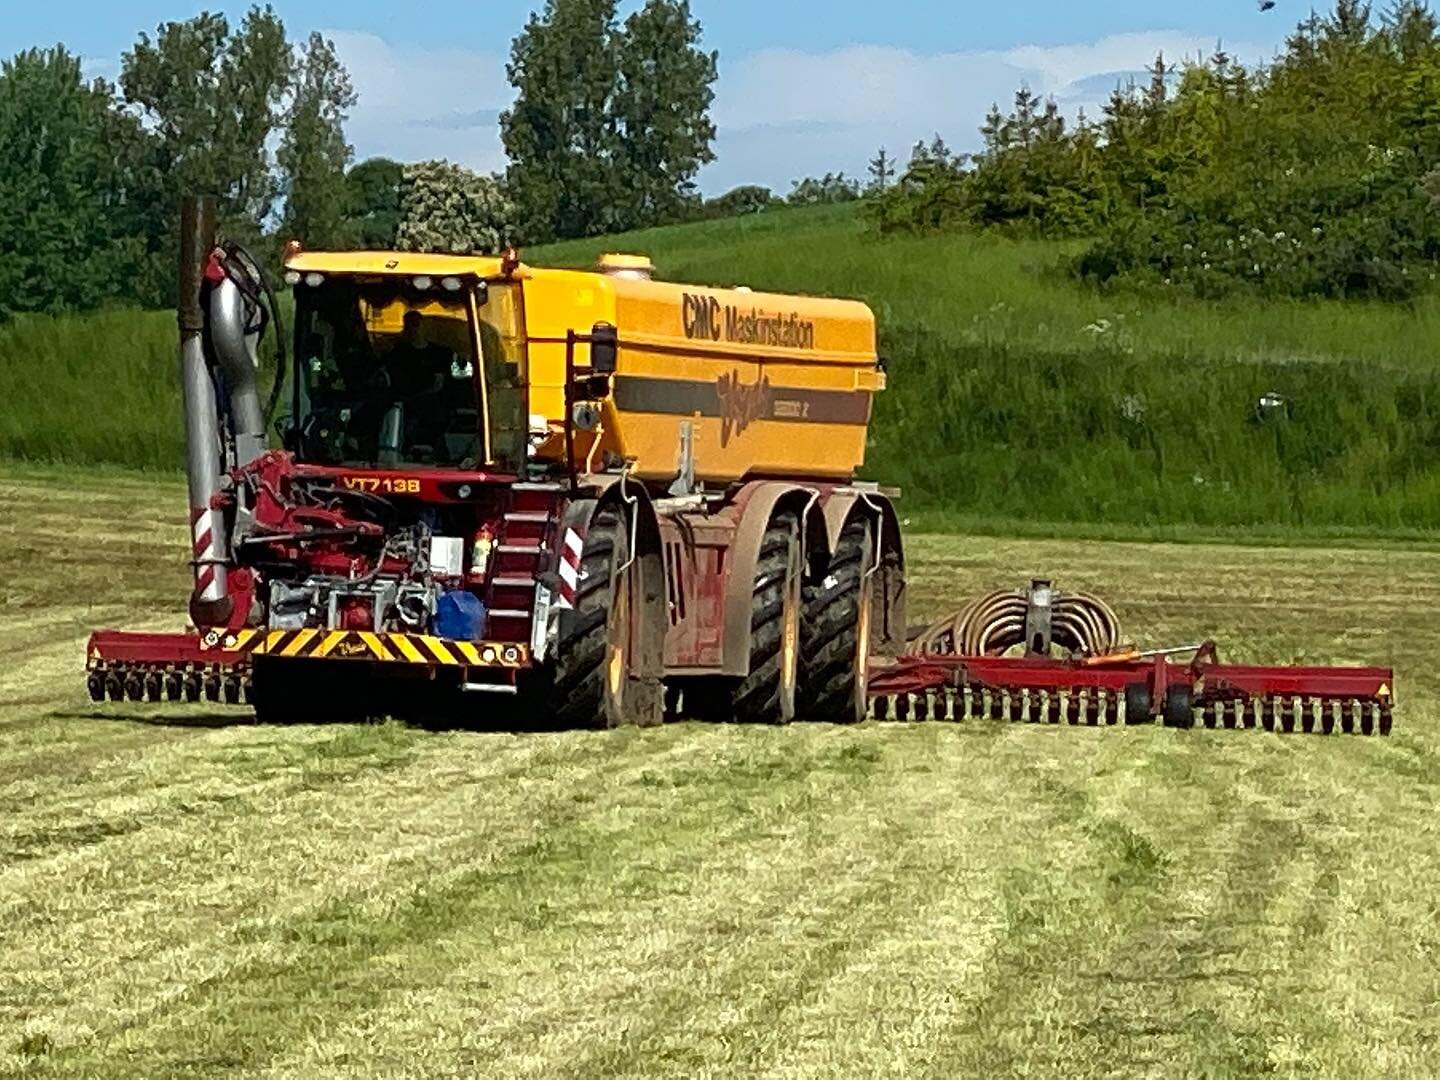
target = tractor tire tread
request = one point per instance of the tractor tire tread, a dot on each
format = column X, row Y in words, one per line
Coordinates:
column 576, row 693
column 832, row 629
column 756, row 700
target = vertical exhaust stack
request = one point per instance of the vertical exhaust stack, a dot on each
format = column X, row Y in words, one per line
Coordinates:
column 204, row 441
column 234, row 336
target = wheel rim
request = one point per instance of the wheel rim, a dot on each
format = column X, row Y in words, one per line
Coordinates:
column 789, row 655
column 617, row 635
column 790, row 633
column 862, row 650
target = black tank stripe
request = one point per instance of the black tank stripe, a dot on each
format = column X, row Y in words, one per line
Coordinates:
column 686, row 397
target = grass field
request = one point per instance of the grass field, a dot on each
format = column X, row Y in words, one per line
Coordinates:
column 183, row 892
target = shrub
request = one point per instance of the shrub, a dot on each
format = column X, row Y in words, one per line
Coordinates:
column 450, row 209
column 1313, row 177
column 748, row 199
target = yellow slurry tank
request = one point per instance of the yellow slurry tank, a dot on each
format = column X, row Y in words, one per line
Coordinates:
column 768, row 385
column 773, row 385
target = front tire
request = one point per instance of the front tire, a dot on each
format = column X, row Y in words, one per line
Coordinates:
column 592, row 684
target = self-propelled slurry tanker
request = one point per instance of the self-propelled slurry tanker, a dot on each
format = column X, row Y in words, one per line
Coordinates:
column 586, row 498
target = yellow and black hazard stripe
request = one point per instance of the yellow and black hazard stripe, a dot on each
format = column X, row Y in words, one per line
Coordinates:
column 314, row 644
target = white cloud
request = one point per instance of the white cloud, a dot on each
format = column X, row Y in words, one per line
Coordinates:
column 424, row 103
column 783, row 113
column 1058, row 67
column 100, row 67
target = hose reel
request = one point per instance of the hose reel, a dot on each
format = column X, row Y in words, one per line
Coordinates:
column 1040, row 619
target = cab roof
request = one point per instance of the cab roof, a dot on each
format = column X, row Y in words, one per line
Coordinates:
column 400, row 263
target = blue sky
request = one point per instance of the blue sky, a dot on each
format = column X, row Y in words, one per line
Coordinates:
column 806, row 86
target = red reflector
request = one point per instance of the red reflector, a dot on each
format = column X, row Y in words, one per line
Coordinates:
column 357, row 614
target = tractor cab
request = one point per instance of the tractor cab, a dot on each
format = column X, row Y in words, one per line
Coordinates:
column 407, row 362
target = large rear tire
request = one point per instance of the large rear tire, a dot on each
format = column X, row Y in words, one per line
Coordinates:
column 769, row 694
column 592, row 684
column 838, row 631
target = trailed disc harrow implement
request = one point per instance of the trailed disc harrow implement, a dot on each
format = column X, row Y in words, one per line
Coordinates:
column 164, row 667
column 1074, row 672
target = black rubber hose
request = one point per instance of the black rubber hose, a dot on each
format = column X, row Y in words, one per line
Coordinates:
column 282, row 356
column 251, row 267
column 994, row 624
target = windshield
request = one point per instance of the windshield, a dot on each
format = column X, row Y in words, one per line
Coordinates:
column 387, row 378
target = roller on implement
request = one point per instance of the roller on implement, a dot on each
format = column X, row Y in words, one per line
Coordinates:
column 1040, row 656
column 593, row 499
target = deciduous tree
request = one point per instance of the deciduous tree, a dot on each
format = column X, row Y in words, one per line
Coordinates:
column 213, row 100
column 560, row 133
column 449, row 209
column 610, row 124
column 72, row 182
column 313, row 151
column 662, row 111
column 373, row 202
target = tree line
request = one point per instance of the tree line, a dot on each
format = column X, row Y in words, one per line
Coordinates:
column 1317, row 174
column 609, row 127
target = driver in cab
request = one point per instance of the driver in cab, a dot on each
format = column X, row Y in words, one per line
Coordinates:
column 415, row 373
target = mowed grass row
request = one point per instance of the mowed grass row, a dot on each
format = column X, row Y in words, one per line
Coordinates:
column 185, row 892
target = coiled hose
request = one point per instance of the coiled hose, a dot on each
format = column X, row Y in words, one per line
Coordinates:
column 992, row 625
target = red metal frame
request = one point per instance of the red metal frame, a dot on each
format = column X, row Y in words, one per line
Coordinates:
column 432, row 485
column 125, row 647
column 1217, row 694
column 915, row 675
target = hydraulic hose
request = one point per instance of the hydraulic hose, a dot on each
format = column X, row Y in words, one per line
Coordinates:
column 994, row 624
column 282, row 359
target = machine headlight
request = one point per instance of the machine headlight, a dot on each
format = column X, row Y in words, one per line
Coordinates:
column 422, row 282
column 451, row 284
column 292, row 277
column 314, row 280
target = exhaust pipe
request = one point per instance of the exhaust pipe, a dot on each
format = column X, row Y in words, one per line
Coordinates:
column 204, row 441
column 235, row 335
column 221, row 320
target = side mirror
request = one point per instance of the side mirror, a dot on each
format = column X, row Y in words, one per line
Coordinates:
column 586, row 416
column 604, row 349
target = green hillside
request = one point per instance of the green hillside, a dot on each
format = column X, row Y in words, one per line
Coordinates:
column 984, row 289
column 1019, row 395
column 89, row 389
column 1016, row 395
